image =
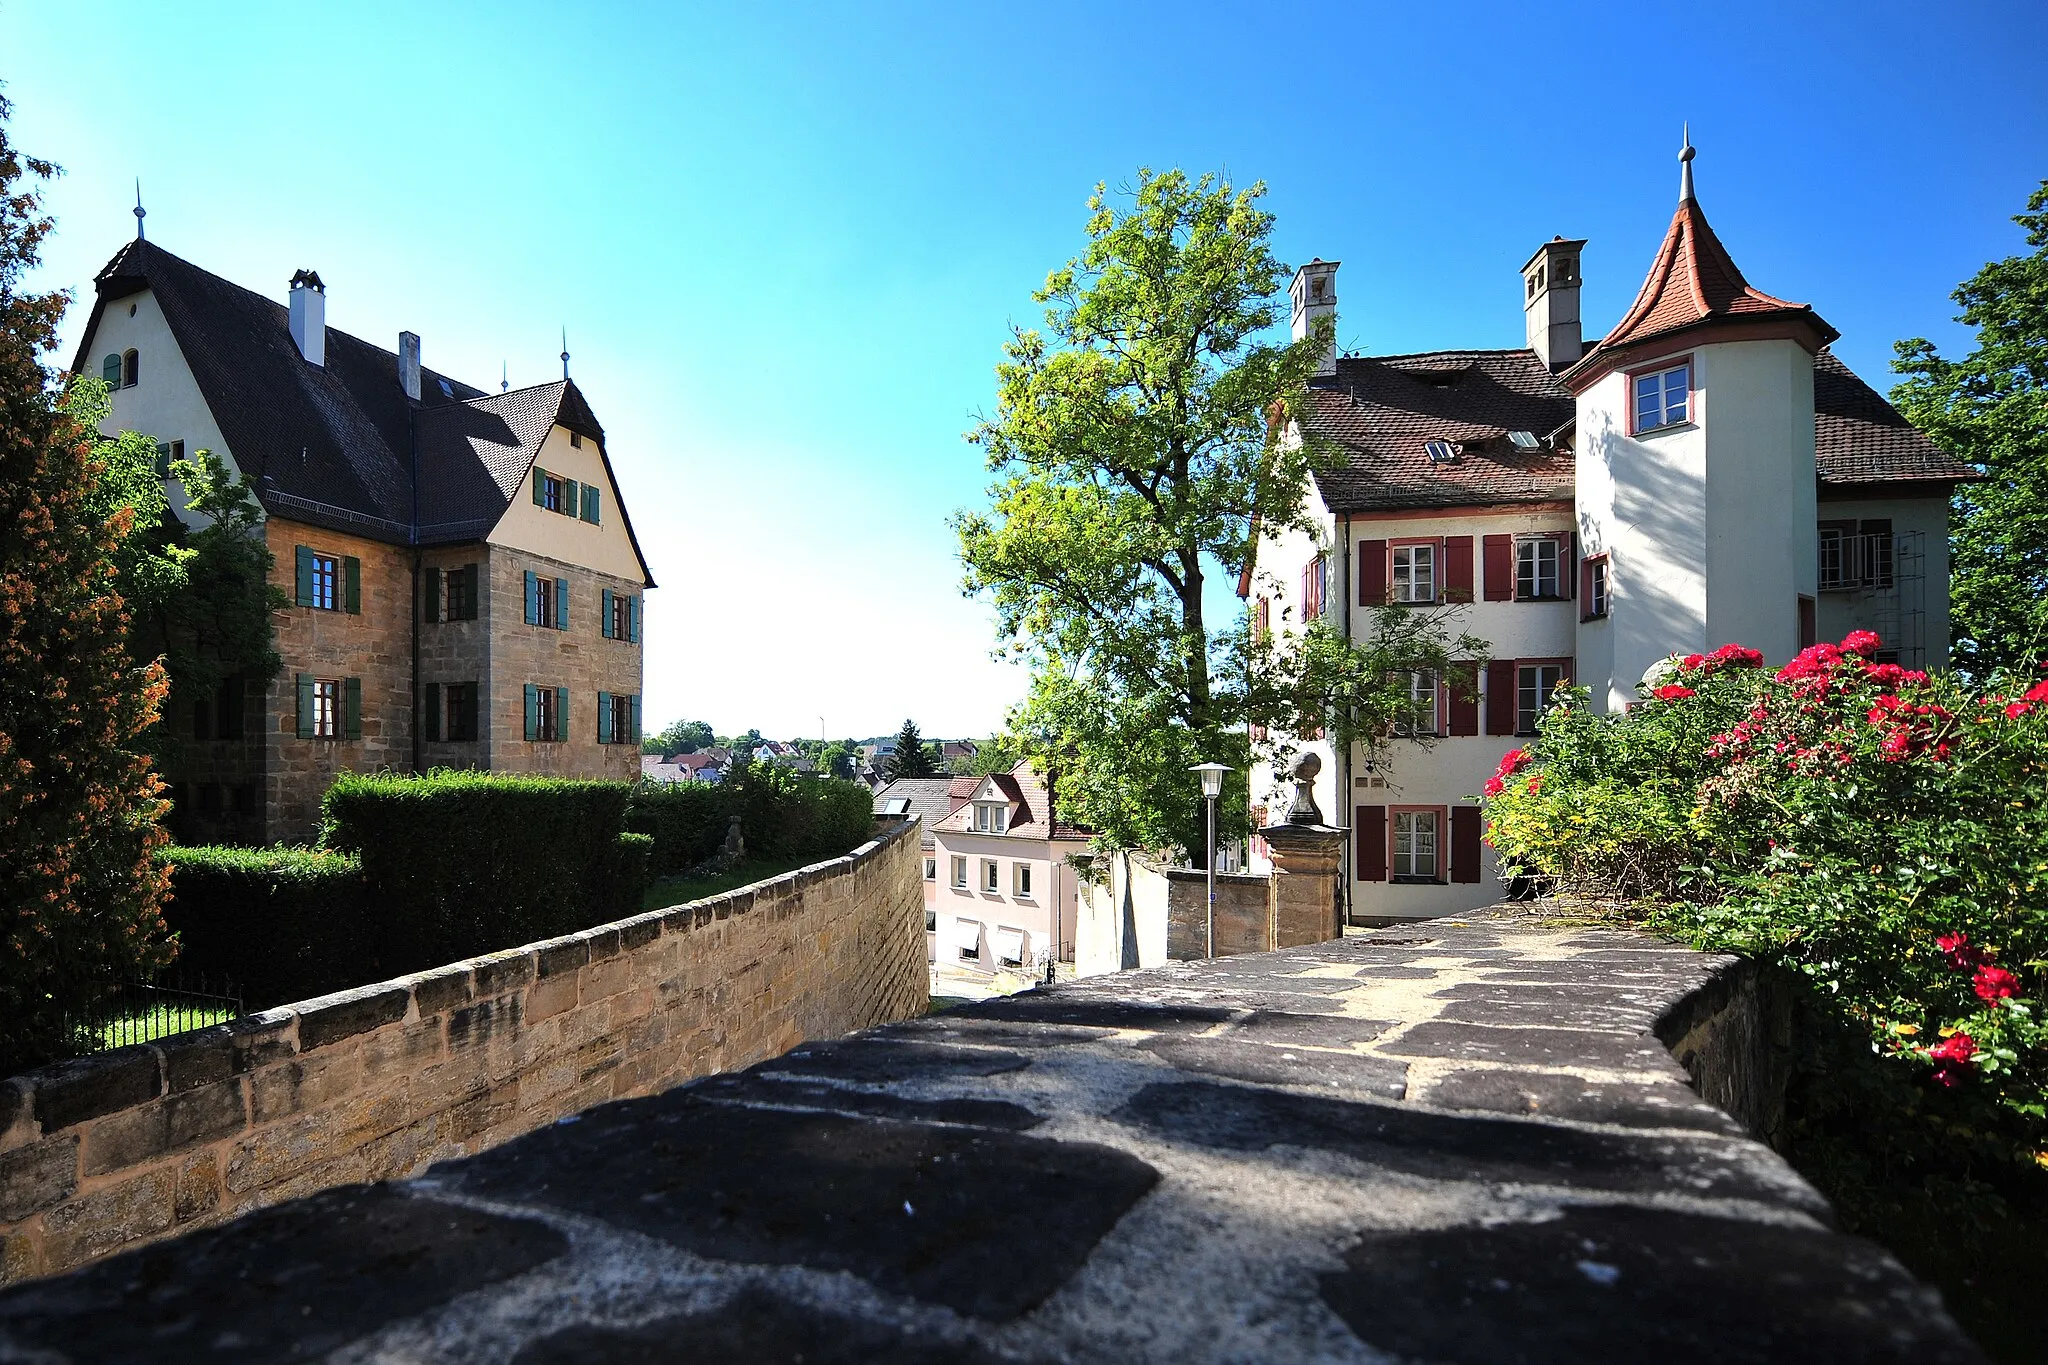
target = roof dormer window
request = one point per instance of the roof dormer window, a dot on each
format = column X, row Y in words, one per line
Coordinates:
column 990, row 817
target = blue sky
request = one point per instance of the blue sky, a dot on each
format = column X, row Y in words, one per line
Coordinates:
column 787, row 241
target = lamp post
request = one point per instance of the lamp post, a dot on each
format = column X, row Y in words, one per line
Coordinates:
column 1212, row 787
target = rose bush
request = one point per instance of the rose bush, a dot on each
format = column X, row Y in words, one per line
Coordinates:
column 1877, row 830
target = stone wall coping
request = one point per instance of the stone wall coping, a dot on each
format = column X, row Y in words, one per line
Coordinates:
column 42, row 1103
column 1471, row 1139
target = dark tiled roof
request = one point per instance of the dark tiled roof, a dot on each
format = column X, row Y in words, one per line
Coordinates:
column 332, row 445
column 930, row 798
column 1859, row 438
column 1032, row 814
column 1383, row 409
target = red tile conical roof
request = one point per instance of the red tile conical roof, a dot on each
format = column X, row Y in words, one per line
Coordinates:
column 1694, row 282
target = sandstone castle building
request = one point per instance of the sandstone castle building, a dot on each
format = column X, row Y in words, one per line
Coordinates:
column 464, row 580
column 1707, row 472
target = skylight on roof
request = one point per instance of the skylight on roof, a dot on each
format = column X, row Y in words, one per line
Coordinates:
column 1441, row 452
column 896, row 805
column 447, row 389
column 1524, row 440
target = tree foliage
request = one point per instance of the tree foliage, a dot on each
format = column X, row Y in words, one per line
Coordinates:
column 681, row 737
column 913, row 758
column 80, row 891
column 1991, row 409
column 1147, row 441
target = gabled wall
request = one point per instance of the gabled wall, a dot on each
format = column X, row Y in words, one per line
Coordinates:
column 605, row 547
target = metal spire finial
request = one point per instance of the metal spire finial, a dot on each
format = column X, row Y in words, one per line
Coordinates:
column 565, row 353
column 504, row 377
column 1685, row 167
column 140, row 212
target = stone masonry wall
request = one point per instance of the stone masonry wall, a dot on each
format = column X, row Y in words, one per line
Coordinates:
column 460, row 652
column 1241, row 913
column 374, row 644
column 380, row 1082
column 579, row 658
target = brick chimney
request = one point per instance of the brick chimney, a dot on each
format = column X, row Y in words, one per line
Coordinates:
column 309, row 317
column 1550, row 302
column 1315, row 296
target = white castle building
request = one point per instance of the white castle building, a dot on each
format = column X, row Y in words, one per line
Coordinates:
column 1707, row 472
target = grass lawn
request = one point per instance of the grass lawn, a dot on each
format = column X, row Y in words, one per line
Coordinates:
column 669, row 891
column 146, row 1026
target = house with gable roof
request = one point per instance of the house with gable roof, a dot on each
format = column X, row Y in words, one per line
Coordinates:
column 465, row 583
column 1706, row 472
column 1001, row 893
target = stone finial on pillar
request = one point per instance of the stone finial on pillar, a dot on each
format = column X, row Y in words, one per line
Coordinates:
column 1302, row 904
column 1303, row 810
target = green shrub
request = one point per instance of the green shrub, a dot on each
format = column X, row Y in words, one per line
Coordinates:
column 783, row 815
column 459, row 863
column 281, row 923
column 1875, row 830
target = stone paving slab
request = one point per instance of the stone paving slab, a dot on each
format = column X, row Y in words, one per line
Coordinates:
column 1453, row 1142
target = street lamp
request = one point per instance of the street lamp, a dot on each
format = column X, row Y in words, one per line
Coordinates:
column 1212, row 787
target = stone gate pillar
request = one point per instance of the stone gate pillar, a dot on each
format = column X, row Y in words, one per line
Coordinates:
column 1302, row 901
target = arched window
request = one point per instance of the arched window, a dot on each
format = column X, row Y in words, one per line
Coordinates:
column 131, row 369
column 110, row 370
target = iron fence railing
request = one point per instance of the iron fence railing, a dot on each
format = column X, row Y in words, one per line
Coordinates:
column 144, row 1011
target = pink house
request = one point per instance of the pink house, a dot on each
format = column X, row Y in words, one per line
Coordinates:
column 998, row 890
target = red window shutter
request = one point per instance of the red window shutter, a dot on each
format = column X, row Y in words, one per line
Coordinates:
column 1586, row 582
column 1498, row 562
column 1463, row 686
column 1369, row 838
column 1500, row 697
column 1464, row 843
column 1808, row 630
column 1564, row 575
column 1372, row 573
column 1458, row 569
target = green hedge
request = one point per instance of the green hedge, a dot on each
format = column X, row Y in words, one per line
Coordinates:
column 458, row 863
column 281, row 923
column 782, row 815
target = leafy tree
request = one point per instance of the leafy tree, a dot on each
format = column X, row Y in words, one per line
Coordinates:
column 997, row 754
column 80, row 892
column 1991, row 409
column 1149, row 442
column 912, row 758
column 840, row 758
column 682, row 737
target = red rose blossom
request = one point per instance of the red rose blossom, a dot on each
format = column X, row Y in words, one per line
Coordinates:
column 1494, row 786
column 1861, row 642
column 1993, row 984
column 1959, row 1048
column 1672, row 692
column 2037, row 693
column 1512, row 762
column 1960, row 952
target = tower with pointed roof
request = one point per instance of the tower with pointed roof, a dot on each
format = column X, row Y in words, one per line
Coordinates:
column 1695, row 463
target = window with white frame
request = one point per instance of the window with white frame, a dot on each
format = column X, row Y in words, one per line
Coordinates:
column 991, row 876
column 1420, row 716
column 1536, row 568
column 324, row 576
column 1596, row 586
column 990, row 817
column 931, row 921
column 931, row 869
column 1415, row 844
column 959, row 874
column 1414, row 573
column 327, row 708
column 1533, row 685
column 1020, row 879
column 1663, row 398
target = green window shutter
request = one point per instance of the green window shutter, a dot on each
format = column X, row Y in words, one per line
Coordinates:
column 532, row 598
column 305, row 681
column 633, row 619
column 472, row 702
column 532, row 711
column 591, row 502
column 163, row 459
column 634, row 703
column 430, row 711
column 561, row 713
column 352, row 573
column 352, row 689
column 561, row 604
column 430, row 595
column 604, row 613
column 304, row 556
column 604, row 718
column 540, row 487
column 110, row 370
column 568, row 507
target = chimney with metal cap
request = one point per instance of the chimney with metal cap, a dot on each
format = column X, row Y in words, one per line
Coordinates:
column 1315, row 297
column 1550, row 302
column 309, row 317
column 409, row 364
